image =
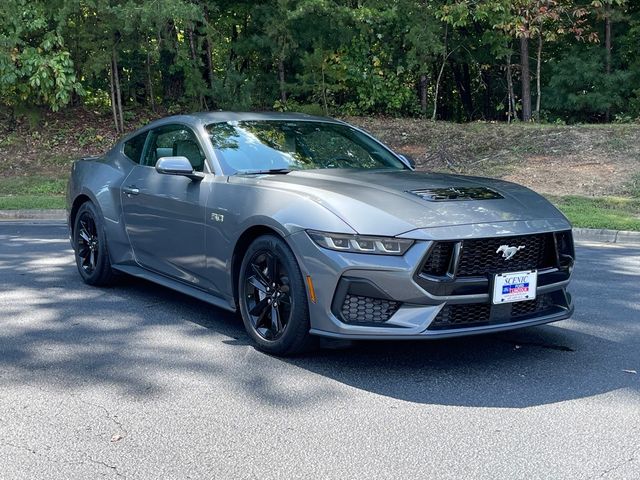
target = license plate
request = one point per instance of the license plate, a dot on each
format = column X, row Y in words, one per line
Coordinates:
column 514, row 286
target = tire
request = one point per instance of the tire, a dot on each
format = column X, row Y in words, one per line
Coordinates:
column 90, row 246
column 276, row 318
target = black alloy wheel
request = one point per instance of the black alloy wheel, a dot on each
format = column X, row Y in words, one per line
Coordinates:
column 90, row 245
column 273, row 298
column 268, row 301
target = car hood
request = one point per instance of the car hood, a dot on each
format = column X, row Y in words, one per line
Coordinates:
column 381, row 202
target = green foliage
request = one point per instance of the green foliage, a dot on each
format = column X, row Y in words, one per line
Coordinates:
column 29, row 202
column 587, row 95
column 615, row 213
column 32, row 185
column 35, row 66
column 329, row 56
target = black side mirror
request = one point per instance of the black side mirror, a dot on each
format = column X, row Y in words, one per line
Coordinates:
column 178, row 166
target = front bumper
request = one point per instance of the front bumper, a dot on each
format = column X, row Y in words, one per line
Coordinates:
column 415, row 311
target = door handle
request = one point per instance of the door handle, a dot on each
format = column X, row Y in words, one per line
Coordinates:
column 131, row 190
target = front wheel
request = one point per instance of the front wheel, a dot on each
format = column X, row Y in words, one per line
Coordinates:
column 273, row 299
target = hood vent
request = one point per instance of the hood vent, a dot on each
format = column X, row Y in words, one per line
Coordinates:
column 456, row 193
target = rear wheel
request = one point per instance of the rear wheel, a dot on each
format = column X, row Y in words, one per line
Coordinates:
column 273, row 299
column 90, row 245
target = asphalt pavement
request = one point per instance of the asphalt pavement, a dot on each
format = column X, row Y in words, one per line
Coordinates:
column 136, row 381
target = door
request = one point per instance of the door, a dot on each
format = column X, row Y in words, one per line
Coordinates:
column 164, row 214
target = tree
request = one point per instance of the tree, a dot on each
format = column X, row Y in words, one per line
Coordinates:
column 36, row 68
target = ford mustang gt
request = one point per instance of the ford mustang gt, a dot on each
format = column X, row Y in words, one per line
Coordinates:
column 311, row 227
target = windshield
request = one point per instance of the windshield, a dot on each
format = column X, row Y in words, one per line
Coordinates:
column 252, row 146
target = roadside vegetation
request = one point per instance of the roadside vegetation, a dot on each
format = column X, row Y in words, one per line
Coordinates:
column 539, row 92
column 615, row 213
column 591, row 172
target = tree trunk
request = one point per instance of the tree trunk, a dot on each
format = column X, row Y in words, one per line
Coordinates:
column 424, row 80
column 194, row 59
column 283, row 85
column 152, row 101
column 116, row 78
column 607, row 46
column 445, row 55
column 208, row 62
column 510, row 93
column 538, row 65
column 324, row 89
column 526, row 79
column 172, row 82
column 487, row 114
column 113, row 99
column 206, row 57
column 462, row 78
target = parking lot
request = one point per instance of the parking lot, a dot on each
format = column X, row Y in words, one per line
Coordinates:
column 136, row 381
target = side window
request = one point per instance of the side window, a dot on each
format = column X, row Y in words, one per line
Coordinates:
column 133, row 147
column 172, row 141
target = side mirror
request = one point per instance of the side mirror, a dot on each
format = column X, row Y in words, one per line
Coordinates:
column 177, row 166
column 409, row 160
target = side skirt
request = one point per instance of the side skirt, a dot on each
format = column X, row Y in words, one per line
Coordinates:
column 194, row 292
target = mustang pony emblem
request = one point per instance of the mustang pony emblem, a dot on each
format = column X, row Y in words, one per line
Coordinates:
column 508, row 252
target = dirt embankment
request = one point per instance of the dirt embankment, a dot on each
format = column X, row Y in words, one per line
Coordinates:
column 588, row 160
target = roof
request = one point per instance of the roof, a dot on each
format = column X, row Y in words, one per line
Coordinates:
column 205, row 118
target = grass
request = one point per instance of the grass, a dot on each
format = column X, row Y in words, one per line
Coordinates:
column 36, row 186
column 615, row 213
column 24, row 193
column 29, row 202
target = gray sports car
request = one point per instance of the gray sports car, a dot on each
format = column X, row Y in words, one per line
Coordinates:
column 310, row 227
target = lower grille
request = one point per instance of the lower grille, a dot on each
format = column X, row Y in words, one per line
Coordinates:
column 463, row 315
column 478, row 314
column 360, row 309
column 530, row 307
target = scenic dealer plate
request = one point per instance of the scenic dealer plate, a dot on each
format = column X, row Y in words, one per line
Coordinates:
column 515, row 286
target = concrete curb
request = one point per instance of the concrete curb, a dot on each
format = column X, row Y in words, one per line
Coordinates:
column 619, row 237
column 35, row 214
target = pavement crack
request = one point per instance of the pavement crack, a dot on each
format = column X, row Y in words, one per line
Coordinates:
column 40, row 454
column 632, row 458
column 105, row 464
column 21, row 447
column 113, row 418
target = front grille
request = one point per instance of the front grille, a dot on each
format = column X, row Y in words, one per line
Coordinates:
column 479, row 257
column 530, row 307
column 360, row 309
column 462, row 315
column 478, row 314
column 439, row 259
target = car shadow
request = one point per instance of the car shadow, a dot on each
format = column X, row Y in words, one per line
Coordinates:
column 58, row 330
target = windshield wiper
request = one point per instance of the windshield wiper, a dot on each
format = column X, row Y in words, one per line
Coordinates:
column 281, row 171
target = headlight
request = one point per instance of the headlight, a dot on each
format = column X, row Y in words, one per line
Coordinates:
column 360, row 243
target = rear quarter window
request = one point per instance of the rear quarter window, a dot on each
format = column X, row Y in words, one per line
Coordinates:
column 133, row 147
